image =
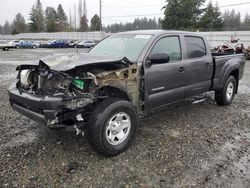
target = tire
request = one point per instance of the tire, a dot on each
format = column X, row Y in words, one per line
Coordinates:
column 17, row 47
column 34, row 47
column 226, row 95
column 248, row 56
column 112, row 114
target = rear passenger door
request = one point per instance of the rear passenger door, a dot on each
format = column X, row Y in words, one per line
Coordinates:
column 198, row 66
column 164, row 82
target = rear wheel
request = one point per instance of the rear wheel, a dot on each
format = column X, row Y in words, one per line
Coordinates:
column 111, row 126
column 226, row 95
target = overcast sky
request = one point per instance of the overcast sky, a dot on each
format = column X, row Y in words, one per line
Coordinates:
column 113, row 10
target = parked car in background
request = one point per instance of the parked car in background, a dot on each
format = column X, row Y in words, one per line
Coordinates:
column 27, row 44
column 73, row 44
column 58, row 44
column 46, row 43
column 14, row 43
column 5, row 45
column 85, row 44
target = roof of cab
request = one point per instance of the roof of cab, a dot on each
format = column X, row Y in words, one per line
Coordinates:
column 156, row 32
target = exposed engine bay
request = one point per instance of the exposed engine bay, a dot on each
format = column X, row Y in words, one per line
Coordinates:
column 83, row 86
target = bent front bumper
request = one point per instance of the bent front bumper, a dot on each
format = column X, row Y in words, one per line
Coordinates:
column 38, row 108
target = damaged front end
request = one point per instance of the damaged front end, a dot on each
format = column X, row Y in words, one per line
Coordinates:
column 66, row 98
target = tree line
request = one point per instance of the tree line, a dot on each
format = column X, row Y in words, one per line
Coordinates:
column 190, row 15
column 50, row 20
column 137, row 24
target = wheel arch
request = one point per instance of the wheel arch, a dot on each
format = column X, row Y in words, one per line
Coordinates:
column 236, row 74
column 230, row 71
column 118, row 92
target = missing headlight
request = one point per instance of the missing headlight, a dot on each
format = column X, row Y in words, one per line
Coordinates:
column 26, row 77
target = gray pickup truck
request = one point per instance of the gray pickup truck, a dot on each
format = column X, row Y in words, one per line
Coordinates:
column 101, row 92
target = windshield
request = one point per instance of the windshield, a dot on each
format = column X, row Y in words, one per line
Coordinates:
column 129, row 46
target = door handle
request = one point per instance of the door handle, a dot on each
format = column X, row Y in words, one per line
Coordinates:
column 207, row 65
column 181, row 70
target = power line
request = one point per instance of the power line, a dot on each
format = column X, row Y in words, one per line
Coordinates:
column 132, row 6
column 126, row 16
column 156, row 5
column 236, row 4
column 112, row 19
column 160, row 14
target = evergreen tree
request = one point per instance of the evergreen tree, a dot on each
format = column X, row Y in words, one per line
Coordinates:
column 231, row 21
column 33, row 20
column 40, row 16
column 7, row 27
column 246, row 23
column 95, row 23
column 37, row 18
column 1, row 29
column 51, row 19
column 137, row 24
column 211, row 19
column 83, row 24
column 62, row 19
column 182, row 14
column 19, row 24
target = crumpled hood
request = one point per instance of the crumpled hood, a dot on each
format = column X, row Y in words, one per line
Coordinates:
column 65, row 62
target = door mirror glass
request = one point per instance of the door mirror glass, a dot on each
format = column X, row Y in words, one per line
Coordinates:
column 158, row 58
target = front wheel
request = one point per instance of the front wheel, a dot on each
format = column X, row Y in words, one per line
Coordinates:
column 248, row 56
column 226, row 95
column 111, row 126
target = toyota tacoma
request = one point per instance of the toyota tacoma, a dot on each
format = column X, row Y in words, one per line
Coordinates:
column 101, row 93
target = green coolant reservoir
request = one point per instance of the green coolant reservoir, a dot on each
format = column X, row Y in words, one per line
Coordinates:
column 78, row 83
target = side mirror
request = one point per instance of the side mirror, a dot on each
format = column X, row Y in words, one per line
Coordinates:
column 158, row 58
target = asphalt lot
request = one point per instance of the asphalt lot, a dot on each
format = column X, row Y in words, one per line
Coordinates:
column 185, row 145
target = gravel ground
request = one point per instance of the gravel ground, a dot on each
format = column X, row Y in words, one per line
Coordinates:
column 185, row 145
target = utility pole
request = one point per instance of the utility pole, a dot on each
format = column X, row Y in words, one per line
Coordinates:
column 100, row 15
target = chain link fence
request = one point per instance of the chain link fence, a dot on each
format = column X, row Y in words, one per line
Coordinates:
column 219, row 37
column 96, row 36
column 214, row 38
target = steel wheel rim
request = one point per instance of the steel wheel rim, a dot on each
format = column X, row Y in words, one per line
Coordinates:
column 118, row 128
column 230, row 91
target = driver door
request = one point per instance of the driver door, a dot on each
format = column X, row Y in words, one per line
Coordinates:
column 164, row 83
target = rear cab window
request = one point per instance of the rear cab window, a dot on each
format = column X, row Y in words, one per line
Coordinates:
column 195, row 46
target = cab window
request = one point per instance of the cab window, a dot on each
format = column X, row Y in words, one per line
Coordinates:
column 169, row 45
column 195, row 47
